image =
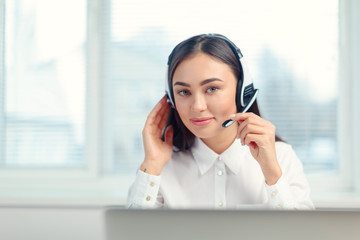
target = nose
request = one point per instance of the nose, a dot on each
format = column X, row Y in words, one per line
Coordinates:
column 199, row 103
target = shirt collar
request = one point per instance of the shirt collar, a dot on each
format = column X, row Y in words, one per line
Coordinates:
column 206, row 157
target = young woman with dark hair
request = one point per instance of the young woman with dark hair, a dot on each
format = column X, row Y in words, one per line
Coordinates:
column 192, row 161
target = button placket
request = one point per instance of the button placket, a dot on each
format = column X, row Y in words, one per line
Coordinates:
column 220, row 183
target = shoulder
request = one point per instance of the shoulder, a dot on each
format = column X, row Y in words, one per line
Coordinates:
column 181, row 155
column 180, row 158
column 286, row 155
column 283, row 147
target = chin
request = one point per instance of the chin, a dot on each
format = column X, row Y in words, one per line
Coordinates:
column 205, row 133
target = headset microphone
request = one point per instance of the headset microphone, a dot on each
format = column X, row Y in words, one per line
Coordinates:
column 227, row 123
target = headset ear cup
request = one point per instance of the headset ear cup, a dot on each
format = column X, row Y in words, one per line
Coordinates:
column 238, row 95
column 169, row 99
column 168, row 87
column 238, row 89
column 168, row 94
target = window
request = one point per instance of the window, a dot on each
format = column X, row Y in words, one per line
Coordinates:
column 44, row 87
column 78, row 79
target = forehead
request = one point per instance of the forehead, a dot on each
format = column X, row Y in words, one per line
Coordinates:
column 202, row 66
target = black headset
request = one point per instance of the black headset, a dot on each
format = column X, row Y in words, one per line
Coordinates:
column 245, row 91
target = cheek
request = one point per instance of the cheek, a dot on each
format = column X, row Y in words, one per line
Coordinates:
column 224, row 106
column 182, row 109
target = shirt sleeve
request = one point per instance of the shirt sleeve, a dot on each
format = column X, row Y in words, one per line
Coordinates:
column 292, row 190
column 144, row 192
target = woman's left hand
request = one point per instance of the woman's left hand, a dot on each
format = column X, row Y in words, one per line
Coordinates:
column 259, row 135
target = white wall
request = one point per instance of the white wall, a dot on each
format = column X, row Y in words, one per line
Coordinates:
column 51, row 223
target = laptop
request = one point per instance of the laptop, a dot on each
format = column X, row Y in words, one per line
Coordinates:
column 169, row 224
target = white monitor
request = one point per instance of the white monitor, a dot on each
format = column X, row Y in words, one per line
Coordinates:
column 231, row 224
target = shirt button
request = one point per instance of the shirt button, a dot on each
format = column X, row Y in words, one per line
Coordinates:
column 148, row 198
column 220, row 204
column 278, row 206
column 220, row 173
column 152, row 184
column 273, row 194
column 219, row 158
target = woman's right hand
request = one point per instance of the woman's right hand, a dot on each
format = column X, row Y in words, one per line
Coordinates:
column 157, row 152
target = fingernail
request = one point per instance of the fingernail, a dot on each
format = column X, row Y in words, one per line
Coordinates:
column 231, row 116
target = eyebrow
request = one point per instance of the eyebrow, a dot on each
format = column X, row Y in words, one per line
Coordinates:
column 206, row 81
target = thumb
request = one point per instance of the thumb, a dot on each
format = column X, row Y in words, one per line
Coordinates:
column 169, row 133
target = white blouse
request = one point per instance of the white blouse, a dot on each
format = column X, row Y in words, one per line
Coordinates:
column 200, row 178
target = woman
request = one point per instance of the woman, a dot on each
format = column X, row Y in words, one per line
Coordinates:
column 192, row 161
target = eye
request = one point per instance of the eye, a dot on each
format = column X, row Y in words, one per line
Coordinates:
column 183, row 92
column 212, row 89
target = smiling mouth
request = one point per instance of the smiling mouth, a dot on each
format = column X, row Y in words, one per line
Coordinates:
column 201, row 121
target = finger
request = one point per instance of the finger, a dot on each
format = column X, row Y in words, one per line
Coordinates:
column 260, row 140
column 242, row 116
column 247, row 118
column 253, row 140
column 154, row 112
column 169, row 133
column 257, row 122
column 250, row 129
column 253, row 121
column 150, row 126
column 162, row 113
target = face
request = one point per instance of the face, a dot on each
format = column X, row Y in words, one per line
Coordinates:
column 204, row 91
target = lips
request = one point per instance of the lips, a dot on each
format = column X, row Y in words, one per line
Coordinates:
column 201, row 121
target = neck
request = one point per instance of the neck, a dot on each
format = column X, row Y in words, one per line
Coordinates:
column 222, row 141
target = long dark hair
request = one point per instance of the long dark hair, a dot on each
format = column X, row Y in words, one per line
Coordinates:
column 216, row 47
